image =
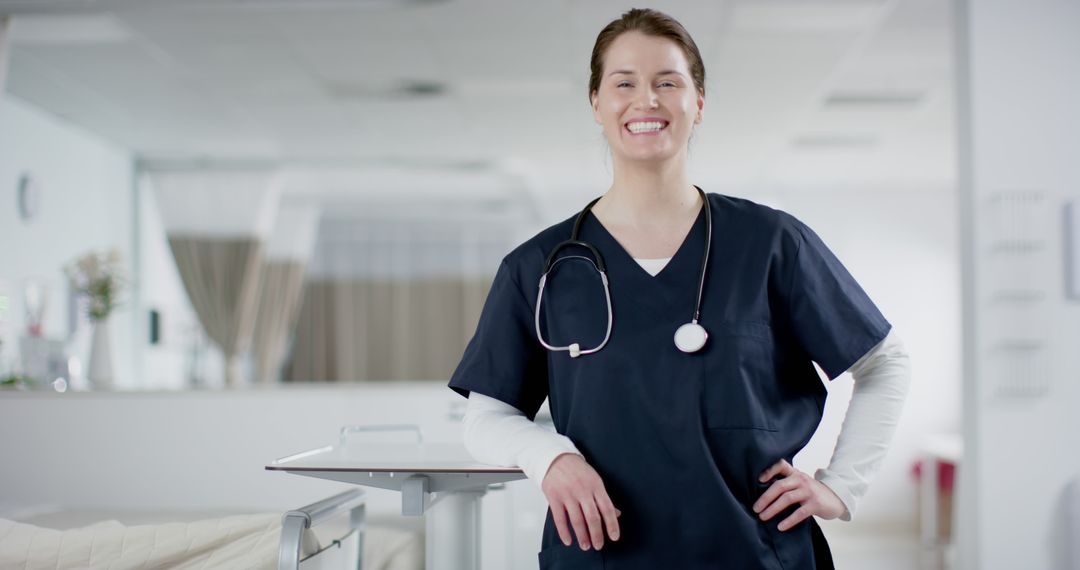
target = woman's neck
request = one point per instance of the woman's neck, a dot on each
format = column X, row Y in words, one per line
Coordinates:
column 642, row 195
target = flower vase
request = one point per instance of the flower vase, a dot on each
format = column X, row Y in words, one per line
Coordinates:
column 99, row 369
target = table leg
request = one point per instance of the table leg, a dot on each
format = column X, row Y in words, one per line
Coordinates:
column 452, row 531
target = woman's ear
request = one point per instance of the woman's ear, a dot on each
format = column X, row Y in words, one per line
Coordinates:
column 700, row 108
column 595, row 99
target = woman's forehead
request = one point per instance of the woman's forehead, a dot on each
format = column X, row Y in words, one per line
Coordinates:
column 638, row 53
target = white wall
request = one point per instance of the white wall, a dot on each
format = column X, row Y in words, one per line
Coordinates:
column 1020, row 131
column 85, row 205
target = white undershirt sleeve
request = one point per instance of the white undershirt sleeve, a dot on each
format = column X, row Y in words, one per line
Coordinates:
column 499, row 434
column 882, row 378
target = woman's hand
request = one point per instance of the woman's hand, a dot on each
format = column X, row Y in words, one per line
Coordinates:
column 815, row 497
column 574, row 490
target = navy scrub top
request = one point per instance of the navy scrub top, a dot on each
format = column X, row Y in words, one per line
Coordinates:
column 679, row 439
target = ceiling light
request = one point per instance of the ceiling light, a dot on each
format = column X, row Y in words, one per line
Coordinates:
column 893, row 99
column 835, row 141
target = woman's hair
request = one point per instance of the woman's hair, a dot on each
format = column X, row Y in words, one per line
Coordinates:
column 652, row 23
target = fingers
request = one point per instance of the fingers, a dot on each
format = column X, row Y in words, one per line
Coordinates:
column 794, row 488
column 579, row 504
column 800, row 514
column 610, row 514
column 773, row 492
column 781, row 468
column 594, row 522
column 577, row 521
column 558, row 514
column 588, row 518
column 783, row 502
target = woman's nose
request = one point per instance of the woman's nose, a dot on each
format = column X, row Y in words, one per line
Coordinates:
column 646, row 98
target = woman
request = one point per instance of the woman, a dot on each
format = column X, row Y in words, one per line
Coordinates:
column 677, row 448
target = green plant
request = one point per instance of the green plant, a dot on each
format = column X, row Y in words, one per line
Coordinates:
column 15, row 381
column 98, row 276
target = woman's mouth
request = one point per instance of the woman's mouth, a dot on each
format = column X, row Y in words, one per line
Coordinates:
column 646, row 127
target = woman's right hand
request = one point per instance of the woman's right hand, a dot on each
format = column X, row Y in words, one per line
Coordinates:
column 575, row 492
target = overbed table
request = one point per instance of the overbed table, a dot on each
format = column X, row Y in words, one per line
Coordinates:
column 438, row 481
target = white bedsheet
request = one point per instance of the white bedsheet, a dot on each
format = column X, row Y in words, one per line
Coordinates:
column 240, row 541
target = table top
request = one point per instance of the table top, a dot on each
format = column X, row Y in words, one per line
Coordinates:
column 429, row 458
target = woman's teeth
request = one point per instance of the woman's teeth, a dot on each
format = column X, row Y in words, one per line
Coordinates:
column 645, row 127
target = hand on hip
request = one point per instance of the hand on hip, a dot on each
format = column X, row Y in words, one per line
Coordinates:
column 794, row 486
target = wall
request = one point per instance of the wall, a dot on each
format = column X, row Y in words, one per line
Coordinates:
column 85, row 204
column 1019, row 79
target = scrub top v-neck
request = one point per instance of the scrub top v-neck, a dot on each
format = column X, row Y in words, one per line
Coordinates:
column 679, row 439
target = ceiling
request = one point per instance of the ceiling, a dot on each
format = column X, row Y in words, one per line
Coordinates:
column 800, row 93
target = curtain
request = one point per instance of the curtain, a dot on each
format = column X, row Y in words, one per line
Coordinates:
column 281, row 285
column 221, row 276
column 385, row 329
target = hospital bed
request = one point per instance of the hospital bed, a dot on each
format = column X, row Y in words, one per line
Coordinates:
column 331, row 534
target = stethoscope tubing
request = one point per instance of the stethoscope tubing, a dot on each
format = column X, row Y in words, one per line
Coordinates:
column 550, row 262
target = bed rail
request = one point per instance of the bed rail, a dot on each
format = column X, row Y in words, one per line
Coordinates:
column 294, row 523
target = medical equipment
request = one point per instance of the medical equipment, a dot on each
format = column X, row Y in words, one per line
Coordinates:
column 689, row 337
column 439, row 481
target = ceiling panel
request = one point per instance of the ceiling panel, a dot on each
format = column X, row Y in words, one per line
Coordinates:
column 304, row 82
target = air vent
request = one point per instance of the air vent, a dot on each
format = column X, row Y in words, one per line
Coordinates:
column 407, row 89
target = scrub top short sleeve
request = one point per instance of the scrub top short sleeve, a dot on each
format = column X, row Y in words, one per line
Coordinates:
column 830, row 314
column 504, row 359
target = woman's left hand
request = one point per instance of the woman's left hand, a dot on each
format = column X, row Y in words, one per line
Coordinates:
column 815, row 498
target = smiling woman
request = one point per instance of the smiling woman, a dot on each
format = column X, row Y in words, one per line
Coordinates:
column 674, row 454
column 647, row 89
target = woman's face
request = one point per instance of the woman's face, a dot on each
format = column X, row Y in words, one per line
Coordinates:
column 646, row 77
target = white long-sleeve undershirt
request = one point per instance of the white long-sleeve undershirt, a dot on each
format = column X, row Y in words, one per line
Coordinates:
column 499, row 434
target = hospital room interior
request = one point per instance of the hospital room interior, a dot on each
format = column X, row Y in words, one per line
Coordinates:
column 244, row 245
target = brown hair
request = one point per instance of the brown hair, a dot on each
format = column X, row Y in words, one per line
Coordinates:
column 652, row 23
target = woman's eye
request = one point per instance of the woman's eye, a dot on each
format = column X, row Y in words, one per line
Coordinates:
column 668, row 83
column 623, row 83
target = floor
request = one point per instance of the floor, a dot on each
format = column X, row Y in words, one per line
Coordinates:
column 880, row 549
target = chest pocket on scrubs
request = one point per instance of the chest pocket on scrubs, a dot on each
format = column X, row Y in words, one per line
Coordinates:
column 738, row 376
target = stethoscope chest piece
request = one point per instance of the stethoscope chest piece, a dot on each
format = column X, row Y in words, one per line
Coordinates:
column 690, row 337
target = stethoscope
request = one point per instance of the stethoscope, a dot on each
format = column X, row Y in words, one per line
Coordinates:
column 689, row 337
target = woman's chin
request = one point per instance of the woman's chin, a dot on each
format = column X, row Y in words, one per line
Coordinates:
column 649, row 157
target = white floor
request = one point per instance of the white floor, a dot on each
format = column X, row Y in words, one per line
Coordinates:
column 879, row 548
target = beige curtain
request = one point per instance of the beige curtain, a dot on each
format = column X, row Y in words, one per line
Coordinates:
column 221, row 276
column 381, row 329
column 279, row 305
